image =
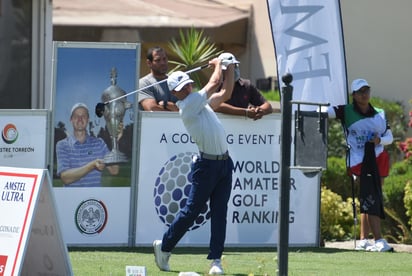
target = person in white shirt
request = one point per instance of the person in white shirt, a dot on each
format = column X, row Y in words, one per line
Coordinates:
column 212, row 168
column 366, row 132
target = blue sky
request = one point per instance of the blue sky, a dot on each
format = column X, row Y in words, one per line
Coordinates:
column 82, row 74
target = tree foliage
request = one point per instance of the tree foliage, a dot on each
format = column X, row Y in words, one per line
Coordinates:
column 193, row 49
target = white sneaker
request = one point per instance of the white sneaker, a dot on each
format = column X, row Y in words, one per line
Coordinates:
column 381, row 246
column 363, row 244
column 216, row 267
column 161, row 258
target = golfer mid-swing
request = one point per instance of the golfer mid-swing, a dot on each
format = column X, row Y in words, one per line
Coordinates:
column 212, row 167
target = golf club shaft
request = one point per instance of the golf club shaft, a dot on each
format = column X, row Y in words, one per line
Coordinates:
column 156, row 83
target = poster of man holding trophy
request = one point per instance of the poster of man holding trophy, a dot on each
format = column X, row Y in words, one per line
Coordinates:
column 91, row 151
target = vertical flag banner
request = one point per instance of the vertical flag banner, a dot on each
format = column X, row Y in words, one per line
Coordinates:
column 308, row 40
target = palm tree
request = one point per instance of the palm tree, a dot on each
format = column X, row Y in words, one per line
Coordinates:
column 193, row 49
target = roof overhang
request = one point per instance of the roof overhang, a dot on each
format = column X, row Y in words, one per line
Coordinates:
column 146, row 13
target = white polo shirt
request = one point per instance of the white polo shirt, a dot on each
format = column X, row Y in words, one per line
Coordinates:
column 202, row 123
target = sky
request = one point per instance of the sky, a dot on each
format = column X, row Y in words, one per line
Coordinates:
column 82, row 73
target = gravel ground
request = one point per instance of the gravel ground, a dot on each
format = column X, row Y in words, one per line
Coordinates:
column 350, row 245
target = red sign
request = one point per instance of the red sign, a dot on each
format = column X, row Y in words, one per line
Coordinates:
column 3, row 261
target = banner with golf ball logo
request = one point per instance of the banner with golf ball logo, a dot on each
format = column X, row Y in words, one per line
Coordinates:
column 166, row 152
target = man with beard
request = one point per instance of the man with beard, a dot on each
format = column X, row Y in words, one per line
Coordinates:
column 156, row 97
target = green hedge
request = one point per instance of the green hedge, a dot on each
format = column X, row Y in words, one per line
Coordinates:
column 337, row 214
column 336, row 219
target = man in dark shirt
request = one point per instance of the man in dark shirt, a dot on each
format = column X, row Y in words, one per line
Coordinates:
column 246, row 99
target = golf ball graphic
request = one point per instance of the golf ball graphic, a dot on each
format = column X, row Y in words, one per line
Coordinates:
column 172, row 189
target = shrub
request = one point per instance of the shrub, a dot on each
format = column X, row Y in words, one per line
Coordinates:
column 395, row 226
column 394, row 188
column 336, row 220
column 336, row 178
column 408, row 201
column 406, row 148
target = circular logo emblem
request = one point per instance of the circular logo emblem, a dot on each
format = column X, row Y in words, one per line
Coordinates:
column 172, row 189
column 91, row 216
column 9, row 134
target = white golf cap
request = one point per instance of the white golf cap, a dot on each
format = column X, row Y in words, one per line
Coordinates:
column 78, row 105
column 228, row 56
column 177, row 80
column 358, row 84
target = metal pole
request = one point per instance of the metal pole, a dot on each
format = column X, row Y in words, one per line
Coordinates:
column 284, row 195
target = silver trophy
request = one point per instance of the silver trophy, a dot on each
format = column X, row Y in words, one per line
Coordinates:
column 114, row 114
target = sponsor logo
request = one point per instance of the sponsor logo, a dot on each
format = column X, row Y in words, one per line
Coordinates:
column 91, row 217
column 9, row 134
column 3, row 261
column 172, row 187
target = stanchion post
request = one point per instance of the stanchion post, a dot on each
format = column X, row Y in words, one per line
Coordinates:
column 284, row 195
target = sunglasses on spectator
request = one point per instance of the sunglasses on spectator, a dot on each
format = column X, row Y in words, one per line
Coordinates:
column 363, row 90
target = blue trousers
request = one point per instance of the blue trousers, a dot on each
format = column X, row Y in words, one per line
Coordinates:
column 211, row 179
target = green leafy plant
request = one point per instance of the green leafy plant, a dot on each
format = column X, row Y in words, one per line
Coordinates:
column 336, row 179
column 400, row 234
column 408, row 201
column 193, row 49
column 406, row 146
column 336, row 221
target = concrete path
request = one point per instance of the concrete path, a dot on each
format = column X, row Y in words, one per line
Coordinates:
column 350, row 246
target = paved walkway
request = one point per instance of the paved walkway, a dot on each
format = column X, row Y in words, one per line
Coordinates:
column 350, row 245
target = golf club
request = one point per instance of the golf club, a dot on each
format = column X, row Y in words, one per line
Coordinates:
column 99, row 110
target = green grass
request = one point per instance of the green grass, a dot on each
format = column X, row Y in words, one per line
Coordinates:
column 272, row 95
column 242, row 261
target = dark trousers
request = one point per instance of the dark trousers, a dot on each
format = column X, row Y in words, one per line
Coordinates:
column 211, row 179
column 370, row 197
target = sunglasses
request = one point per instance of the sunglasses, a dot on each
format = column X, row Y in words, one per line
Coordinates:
column 363, row 90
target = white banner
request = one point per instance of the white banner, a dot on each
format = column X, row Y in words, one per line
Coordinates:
column 24, row 136
column 30, row 239
column 308, row 42
column 165, row 156
column 94, row 216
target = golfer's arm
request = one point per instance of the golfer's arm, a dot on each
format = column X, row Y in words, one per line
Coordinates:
column 214, row 80
column 226, row 91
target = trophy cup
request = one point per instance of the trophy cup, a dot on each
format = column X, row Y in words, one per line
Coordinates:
column 113, row 115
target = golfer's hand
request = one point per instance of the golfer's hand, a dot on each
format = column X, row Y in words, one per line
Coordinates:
column 215, row 62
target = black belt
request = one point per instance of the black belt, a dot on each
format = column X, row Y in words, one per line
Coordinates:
column 214, row 157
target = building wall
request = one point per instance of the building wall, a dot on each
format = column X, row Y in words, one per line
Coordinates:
column 376, row 34
column 377, row 45
column 258, row 61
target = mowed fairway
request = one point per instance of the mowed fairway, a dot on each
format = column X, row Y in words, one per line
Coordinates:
column 243, row 261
